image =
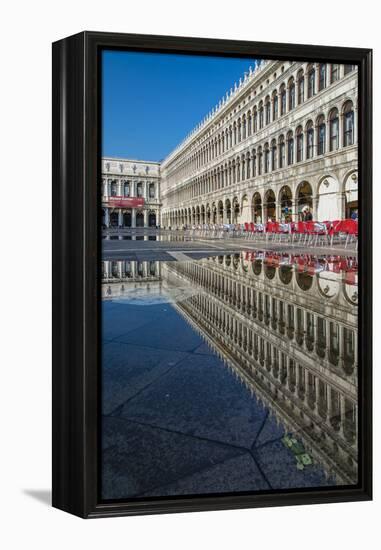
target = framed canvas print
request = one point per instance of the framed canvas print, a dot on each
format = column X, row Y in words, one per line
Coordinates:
column 212, row 274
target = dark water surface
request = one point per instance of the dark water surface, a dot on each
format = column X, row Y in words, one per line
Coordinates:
column 231, row 373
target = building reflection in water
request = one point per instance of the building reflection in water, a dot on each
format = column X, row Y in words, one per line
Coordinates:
column 286, row 325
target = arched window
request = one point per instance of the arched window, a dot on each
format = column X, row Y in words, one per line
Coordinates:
column 348, row 69
column 334, row 72
column 291, row 94
column 282, row 152
column 234, row 133
column 139, row 189
column 334, row 130
column 254, row 164
column 259, row 161
column 320, row 135
column 290, row 148
column 310, row 139
column 248, row 165
column 275, row 104
column 243, row 164
column 255, row 120
column 244, row 127
column 300, row 87
column 267, row 110
column 267, row 158
column 273, row 155
column 126, row 188
column 322, row 76
column 260, row 115
column 114, row 190
column 239, row 130
column 348, row 124
column 299, row 144
column 151, row 190
column 282, row 100
column 311, row 81
column 249, row 127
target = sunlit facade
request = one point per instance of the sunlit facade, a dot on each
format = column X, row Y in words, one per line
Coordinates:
column 284, row 138
column 130, row 193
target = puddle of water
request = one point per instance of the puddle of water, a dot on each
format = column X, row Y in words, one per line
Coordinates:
column 259, row 351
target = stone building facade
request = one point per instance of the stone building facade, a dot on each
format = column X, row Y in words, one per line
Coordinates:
column 283, row 139
column 291, row 338
column 130, row 193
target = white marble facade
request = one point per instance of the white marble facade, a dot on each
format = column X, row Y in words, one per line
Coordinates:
column 123, row 181
column 283, row 138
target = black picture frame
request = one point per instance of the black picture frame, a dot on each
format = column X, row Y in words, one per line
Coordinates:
column 76, row 271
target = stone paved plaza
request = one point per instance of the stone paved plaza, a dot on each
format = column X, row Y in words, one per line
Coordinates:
column 176, row 420
column 150, row 244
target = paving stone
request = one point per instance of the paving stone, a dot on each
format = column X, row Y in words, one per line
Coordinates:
column 170, row 332
column 279, row 466
column 270, row 431
column 237, row 474
column 200, row 397
column 119, row 318
column 138, row 459
column 128, row 369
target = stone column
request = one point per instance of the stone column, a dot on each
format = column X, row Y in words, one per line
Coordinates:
column 316, row 393
column 294, row 207
column 288, row 372
column 278, row 211
column 145, row 212
column 314, row 207
column 133, row 217
column 342, row 414
column 107, row 217
column 329, row 403
column 120, row 217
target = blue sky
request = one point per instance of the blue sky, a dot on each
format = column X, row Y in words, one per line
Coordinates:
column 151, row 101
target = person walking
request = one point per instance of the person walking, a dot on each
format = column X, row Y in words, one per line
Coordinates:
column 307, row 215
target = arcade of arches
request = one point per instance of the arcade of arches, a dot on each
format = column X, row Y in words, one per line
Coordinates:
column 284, row 140
column 325, row 201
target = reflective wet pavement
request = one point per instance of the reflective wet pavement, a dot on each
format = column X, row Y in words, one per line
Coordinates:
column 230, row 373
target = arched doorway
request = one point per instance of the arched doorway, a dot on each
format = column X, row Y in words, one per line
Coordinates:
column 269, row 206
column 351, row 198
column 328, row 207
column 202, row 214
column 207, row 213
column 220, row 212
column 304, row 280
column 228, row 211
column 245, row 210
column 152, row 219
column 304, row 198
column 285, row 200
column 114, row 219
column 236, row 210
column 257, row 208
column 127, row 219
column 139, row 219
column 214, row 210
